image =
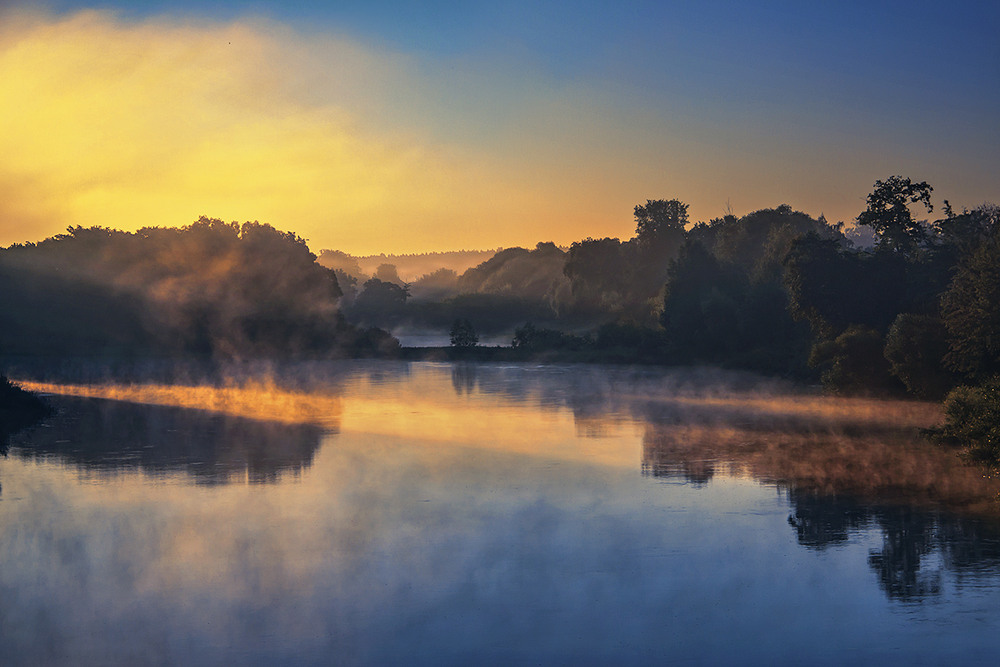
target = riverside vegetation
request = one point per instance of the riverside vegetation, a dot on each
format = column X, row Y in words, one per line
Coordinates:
column 894, row 305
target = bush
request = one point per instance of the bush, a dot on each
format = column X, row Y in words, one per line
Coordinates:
column 915, row 347
column 18, row 409
column 534, row 339
column 853, row 363
column 463, row 334
column 972, row 420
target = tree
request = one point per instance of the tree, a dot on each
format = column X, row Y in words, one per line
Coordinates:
column 387, row 273
column 700, row 305
column 853, row 362
column 915, row 347
column 972, row 420
column 463, row 334
column 971, row 312
column 659, row 218
column 599, row 271
column 889, row 216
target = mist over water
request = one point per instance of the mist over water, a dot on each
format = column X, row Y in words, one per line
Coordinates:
column 393, row 513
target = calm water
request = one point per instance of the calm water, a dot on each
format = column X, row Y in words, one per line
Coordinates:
column 366, row 513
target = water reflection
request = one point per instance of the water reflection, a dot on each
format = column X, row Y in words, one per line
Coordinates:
column 917, row 546
column 436, row 513
column 104, row 437
column 846, row 466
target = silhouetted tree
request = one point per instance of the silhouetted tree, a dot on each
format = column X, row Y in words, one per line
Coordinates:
column 888, row 213
column 463, row 334
column 700, row 306
column 659, row 234
column 660, row 221
column 18, row 409
column 600, row 272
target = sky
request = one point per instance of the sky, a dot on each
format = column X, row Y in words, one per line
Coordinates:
column 400, row 127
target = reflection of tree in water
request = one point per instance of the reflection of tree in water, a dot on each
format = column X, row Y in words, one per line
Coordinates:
column 820, row 521
column 463, row 377
column 106, row 436
column 843, row 479
column 696, row 473
column 913, row 540
column 848, row 466
column 907, row 537
column 917, row 545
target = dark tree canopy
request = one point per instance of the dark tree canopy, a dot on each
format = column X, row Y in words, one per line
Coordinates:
column 971, row 311
column 463, row 334
column 658, row 217
column 889, row 215
column 213, row 287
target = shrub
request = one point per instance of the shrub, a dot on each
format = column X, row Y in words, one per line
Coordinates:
column 972, row 420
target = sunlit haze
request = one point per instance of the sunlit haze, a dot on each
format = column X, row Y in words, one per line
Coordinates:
column 392, row 129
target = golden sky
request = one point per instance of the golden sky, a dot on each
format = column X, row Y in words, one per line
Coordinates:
column 360, row 146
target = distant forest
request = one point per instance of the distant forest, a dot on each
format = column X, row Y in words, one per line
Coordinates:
column 899, row 305
column 914, row 310
column 409, row 267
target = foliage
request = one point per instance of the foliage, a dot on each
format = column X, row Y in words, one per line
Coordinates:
column 463, row 334
column 966, row 231
column 889, row 216
column 853, row 363
column 212, row 288
column 972, row 420
column 387, row 273
column 598, row 269
column 18, row 409
column 971, row 311
column 832, row 287
column 915, row 347
column 380, row 302
column 436, row 285
column 700, row 306
column 658, row 217
column 534, row 339
column 530, row 274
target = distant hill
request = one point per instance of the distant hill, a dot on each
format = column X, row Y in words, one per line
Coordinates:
column 409, row 267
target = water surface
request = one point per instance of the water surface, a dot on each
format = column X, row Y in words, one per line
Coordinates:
column 393, row 513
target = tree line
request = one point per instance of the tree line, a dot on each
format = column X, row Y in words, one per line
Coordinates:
column 211, row 288
column 775, row 291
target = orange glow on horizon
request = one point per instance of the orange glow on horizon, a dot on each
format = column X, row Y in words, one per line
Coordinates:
column 248, row 121
column 353, row 147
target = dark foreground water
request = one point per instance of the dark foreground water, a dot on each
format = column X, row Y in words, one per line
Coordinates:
column 395, row 514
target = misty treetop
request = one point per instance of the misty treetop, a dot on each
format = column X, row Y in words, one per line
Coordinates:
column 211, row 287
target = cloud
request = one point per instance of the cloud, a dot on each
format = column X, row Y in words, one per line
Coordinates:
column 353, row 146
column 153, row 123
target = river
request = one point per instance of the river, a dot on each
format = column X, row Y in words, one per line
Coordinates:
column 388, row 513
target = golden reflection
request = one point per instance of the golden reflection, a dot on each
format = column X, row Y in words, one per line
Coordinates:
column 892, row 464
column 830, row 408
column 868, row 448
column 263, row 400
column 489, row 422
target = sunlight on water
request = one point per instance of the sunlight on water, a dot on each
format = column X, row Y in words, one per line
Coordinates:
column 390, row 513
column 256, row 400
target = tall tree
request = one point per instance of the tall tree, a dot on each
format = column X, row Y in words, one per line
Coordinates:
column 889, row 215
column 659, row 219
